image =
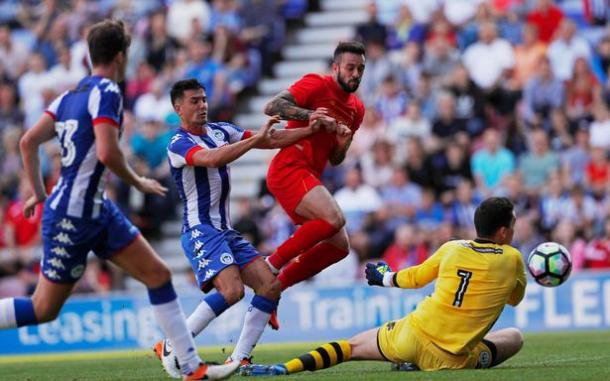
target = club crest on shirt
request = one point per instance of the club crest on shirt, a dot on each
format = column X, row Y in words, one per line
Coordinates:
column 226, row 258
column 218, row 135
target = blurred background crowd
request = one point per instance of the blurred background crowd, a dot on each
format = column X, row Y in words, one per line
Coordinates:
column 464, row 99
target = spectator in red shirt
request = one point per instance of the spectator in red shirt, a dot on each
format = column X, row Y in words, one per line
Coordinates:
column 547, row 17
column 405, row 251
column 598, row 171
column 597, row 254
column 22, row 235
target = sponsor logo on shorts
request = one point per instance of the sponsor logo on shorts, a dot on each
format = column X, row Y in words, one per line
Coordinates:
column 208, row 274
column 484, row 359
column 60, row 251
column 51, row 274
column 77, row 271
column 66, row 224
column 63, row 238
column 203, row 263
column 57, row 263
column 226, row 258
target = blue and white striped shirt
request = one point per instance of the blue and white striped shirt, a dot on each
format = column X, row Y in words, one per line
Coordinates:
column 80, row 189
column 204, row 191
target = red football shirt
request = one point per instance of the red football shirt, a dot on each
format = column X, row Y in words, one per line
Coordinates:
column 26, row 229
column 313, row 91
column 547, row 22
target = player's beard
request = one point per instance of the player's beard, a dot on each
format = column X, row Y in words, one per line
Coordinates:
column 346, row 85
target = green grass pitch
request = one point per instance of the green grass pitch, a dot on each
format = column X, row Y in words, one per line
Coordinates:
column 553, row 357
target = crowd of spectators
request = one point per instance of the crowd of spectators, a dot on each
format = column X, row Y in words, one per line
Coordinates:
column 464, row 99
column 228, row 45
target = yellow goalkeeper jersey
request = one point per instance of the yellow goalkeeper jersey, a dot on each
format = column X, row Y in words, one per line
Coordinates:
column 474, row 280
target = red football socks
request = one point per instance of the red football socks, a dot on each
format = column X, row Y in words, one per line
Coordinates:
column 309, row 234
column 310, row 263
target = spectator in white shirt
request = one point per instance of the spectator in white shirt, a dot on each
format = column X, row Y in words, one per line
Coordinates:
column 564, row 51
column 356, row 199
column 64, row 76
column 488, row 60
column 181, row 15
column 31, row 86
column 13, row 55
column 155, row 104
column 600, row 128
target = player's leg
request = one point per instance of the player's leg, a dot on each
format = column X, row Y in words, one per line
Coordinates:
column 215, row 266
column 139, row 260
column 360, row 347
column 65, row 249
column 43, row 306
column 323, row 219
column 502, row 345
column 267, row 289
column 314, row 260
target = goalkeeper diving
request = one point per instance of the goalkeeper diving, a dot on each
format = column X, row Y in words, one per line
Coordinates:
column 449, row 329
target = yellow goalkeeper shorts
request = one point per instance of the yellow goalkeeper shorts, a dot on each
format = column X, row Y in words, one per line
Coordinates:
column 398, row 342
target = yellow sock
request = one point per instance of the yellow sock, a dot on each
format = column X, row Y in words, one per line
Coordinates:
column 327, row 355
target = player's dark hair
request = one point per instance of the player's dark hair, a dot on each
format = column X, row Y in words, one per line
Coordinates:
column 177, row 91
column 106, row 39
column 491, row 215
column 354, row 47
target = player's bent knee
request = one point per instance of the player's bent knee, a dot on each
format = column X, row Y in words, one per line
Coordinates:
column 337, row 220
column 156, row 276
column 516, row 339
column 271, row 290
column 233, row 294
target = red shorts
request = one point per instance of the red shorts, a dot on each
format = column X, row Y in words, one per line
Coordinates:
column 289, row 184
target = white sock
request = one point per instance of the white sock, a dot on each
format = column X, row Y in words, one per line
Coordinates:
column 271, row 267
column 200, row 318
column 7, row 314
column 171, row 319
column 254, row 325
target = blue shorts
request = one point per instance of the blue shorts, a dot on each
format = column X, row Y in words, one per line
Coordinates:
column 211, row 250
column 67, row 241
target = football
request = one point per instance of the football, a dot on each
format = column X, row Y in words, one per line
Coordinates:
column 550, row 264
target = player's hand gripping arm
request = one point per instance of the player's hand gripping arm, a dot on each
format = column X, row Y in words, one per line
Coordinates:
column 218, row 157
column 110, row 154
column 285, row 137
column 286, row 107
column 344, row 139
column 42, row 131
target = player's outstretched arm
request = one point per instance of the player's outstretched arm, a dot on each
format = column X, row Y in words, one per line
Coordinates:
column 42, row 131
column 218, row 157
column 418, row 276
column 286, row 107
column 110, row 154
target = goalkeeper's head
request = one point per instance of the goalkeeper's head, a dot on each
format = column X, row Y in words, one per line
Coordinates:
column 494, row 220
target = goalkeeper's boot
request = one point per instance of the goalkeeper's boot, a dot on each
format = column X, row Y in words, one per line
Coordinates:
column 212, row 372
column 254, row 370
column 404, row 367
column 165, row 353
column 274, row 322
